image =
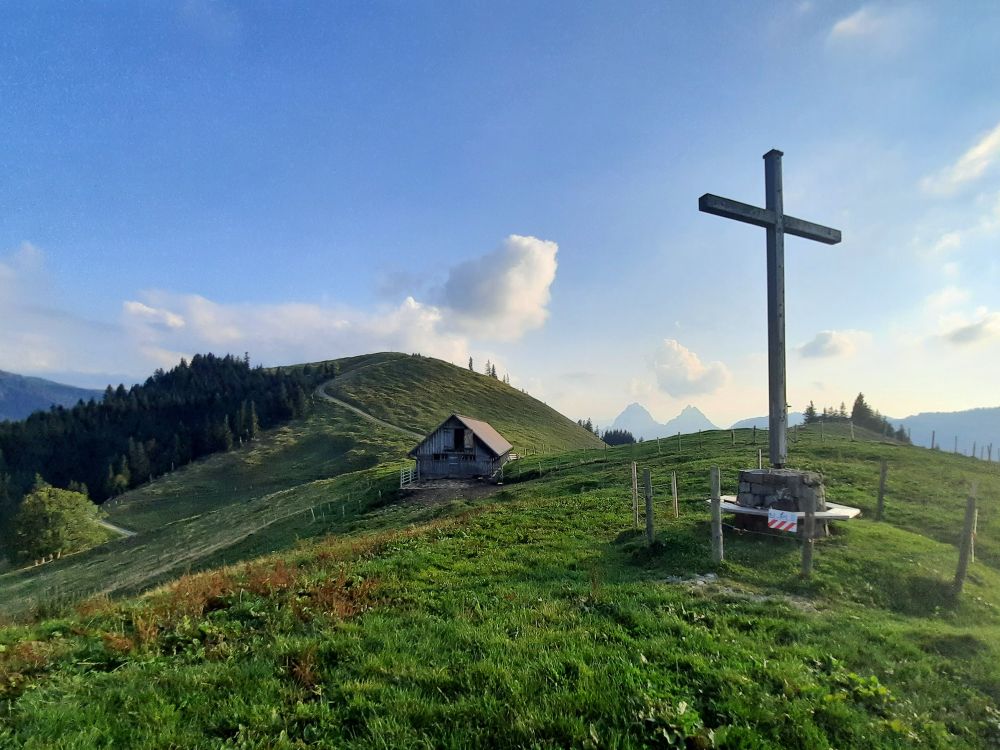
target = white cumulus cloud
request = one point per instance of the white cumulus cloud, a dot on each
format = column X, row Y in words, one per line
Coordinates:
column 498, row 297
column 834, row 344
column 680, row 372
column 505, row 293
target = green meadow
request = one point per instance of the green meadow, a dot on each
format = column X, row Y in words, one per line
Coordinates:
column 538, row 617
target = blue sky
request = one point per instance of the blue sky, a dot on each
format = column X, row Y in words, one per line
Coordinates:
column 516, row 182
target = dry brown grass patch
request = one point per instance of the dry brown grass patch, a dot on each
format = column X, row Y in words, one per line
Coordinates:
column 269, row 578
column 193, row 595
column 117, row 643
column 146, row 629
column 94, row 605
column 303, row 670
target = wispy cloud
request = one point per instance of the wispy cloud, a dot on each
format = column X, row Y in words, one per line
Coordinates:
column 496, row 297
column 38, row 334
column 983, row 327
column 876, row 29
column 680, row 372
column 986, row 327
column 862, row 22
column 969, row 167
column 946, row 298
column 834, row 344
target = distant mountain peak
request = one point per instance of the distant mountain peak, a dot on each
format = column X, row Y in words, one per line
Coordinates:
column 636, row 419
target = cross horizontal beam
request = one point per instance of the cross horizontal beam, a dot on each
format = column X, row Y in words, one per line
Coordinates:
column 761, row 217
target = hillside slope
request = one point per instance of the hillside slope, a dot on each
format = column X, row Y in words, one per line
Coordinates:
column 263, row 495
column 418, row 393
column 21, row 395
column 540, row 618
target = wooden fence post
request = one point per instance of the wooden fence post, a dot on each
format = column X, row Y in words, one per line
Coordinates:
column 635, row 495
column 965, row 543
column 673, row 489
column 678, row 441
column 717, row 551
column 852, row 430
column 732, row 434
column 972, row 542
column 760, row 458
column 657, row 446
column 933, row 435
column 755, row 434
column 649, row 507
column 883, row 471
column 808, row 531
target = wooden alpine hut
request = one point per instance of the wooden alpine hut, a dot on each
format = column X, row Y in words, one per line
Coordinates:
column 461, row 447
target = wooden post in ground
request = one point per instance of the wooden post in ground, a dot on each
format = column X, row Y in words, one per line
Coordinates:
column 673, row 489
column 852, row 431
column 808, row 531
column 760, row 458
column 965, row 543
column 717, row 551
column 822, row 434
column 883, row 471
column 647, row 480
column 975, row 529
column 678, row 441
column 933, row 435
column 657, row 446
column 973, row 454
column 732, row 434
column 755, row 434
column 635, row 495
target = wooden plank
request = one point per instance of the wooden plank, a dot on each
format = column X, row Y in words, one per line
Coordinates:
column 730, row 209
column 811, row 231
column 761, row 217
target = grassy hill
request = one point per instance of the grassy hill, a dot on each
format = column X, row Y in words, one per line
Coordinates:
column 418, row 393
column 540, row 618
column 264, row 495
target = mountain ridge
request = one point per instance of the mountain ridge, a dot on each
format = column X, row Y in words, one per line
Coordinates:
column 21, row 395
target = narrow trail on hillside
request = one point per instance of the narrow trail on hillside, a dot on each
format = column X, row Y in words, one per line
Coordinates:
column 119, row 529
column 321, row 393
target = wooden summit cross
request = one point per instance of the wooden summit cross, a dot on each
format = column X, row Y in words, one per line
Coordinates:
column 777, row 223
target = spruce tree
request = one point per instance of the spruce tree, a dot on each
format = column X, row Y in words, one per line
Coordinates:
column 809, row 415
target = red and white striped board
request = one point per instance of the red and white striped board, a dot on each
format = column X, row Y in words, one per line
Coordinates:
column 782, row 520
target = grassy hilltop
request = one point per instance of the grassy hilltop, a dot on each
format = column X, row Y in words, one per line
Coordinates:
column 539, row 618
column 419, row 393
column 290, row 483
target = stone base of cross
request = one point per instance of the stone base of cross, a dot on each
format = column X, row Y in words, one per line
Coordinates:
column 773, row 218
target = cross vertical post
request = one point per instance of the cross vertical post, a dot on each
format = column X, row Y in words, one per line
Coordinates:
column 777, row 422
